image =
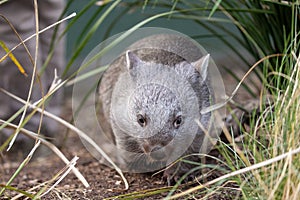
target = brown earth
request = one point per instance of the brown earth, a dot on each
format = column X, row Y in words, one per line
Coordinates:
column 104, row 181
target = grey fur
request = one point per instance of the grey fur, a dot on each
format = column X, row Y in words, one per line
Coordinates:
column 143, row 84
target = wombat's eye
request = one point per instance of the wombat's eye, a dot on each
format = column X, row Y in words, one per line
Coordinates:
column 177, row 122
column 141, row 120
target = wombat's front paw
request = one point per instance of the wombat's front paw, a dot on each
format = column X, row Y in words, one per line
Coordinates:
column 169, row 177
column 174, row 173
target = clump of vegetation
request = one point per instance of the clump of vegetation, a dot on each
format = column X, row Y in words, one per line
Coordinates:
column 263, row 161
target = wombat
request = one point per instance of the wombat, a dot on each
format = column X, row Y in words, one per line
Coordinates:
column 150, row 99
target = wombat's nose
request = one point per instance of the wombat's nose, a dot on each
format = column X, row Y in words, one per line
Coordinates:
column 156, row 152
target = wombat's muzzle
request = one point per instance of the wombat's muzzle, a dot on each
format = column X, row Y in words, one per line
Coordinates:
column 157, row 149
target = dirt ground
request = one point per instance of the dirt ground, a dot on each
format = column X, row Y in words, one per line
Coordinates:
column 104, row 181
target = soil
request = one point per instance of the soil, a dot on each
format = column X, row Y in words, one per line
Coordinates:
column 104, row 181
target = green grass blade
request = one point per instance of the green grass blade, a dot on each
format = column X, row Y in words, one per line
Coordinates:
column 89, row 35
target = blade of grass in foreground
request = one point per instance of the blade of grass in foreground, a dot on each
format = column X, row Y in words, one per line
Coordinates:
column 7, row 187
column 21, row 166
column 13, row 58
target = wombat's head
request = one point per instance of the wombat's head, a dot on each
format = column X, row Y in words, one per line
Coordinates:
column 158, row 117
column 155, row 107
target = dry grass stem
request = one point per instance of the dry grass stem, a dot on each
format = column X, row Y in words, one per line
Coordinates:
column 53, row 148
column 220, row 105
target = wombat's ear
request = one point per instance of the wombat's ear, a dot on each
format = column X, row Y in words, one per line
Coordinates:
column 201, row 66
column 132, row 60
column 132, row 63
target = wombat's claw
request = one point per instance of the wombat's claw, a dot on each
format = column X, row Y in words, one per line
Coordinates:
column 168, row 180
column 168, row 177
column 172, row 177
